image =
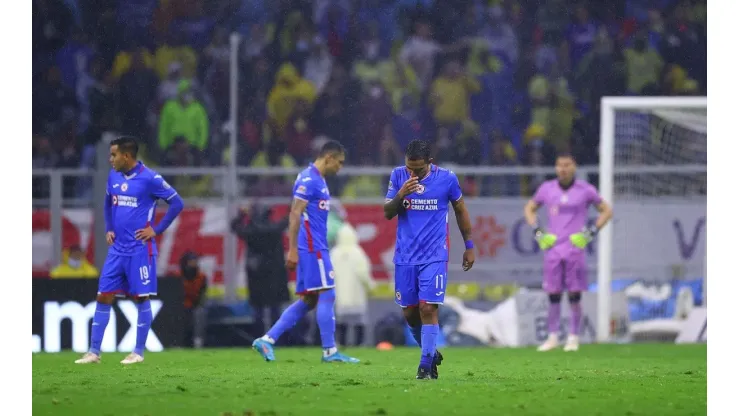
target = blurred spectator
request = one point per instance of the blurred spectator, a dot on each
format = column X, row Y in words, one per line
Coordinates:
column 317, row 68
column 398, row 78
column 684, row 43
column 363, row 186
column 267, row 278
column 250, row 132
column 373, row 123
column 420, row 51
column 467, row 148
column 51, row 23
column 53, row 102
column 643, row 64
column 124, row 60
column 333, row 25
column 258, row 83
column 450, row 93
column 499, row 36
column 182, row 153
column 406, row 123
column 74, row 58
column 137, row 90
column 218, row 49
column 502, row 154
column 74, row 266
column 186, row 117
column 274, row 155
column 600, row 72
column 580, row 35
column 173, row 49
column 167, row 89
column 195, row 285
column 298, row 133
column 335, row 110
column 289, row 87
column 552, row 17
column 259, row 38
column 352, row 274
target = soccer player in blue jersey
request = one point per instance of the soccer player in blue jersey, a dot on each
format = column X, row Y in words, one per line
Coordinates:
column 309, row 251
column 419, row 193
column 130, row 268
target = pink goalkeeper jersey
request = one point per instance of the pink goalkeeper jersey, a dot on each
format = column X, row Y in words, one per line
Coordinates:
column 567, row 212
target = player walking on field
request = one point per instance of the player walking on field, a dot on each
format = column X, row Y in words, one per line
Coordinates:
column 130, row 268
column 564, row 241
column 419, row 193
column 309, row 251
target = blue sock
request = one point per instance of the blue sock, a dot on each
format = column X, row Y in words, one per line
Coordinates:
column 416, row 332
column 428, row 345
column 100, row 321
column 325, row 318
column 144, row 323
column 288, row 319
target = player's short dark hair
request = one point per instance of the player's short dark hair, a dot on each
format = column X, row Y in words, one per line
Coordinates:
column 567, row 155
column 331, row 147
column 419, row 150
column 126, row 144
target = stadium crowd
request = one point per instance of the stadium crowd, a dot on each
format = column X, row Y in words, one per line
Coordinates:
column 489, row 82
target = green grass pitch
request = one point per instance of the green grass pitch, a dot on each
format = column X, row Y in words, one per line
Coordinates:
column 639, row 379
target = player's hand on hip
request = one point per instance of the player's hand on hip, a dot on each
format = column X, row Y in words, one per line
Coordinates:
column 468, row 259
column 145, row 234
column 292, row 260
column 582, row 239
column 410, row 186
column 110, row 236
column 544, row 240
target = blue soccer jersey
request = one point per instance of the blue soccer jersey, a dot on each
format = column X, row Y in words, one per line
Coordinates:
column 422, row 236
column 130, row 267
column 422, row 232
column 311, row 187
column 315, row 271
column 133, row 200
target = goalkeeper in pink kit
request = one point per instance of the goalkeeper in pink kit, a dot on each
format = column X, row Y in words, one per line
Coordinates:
column 564, row 241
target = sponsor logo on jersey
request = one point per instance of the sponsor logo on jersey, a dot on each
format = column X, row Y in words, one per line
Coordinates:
column 125, row 201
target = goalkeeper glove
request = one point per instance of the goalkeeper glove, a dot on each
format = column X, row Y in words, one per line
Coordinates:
column 545, row 240
column 582, row 239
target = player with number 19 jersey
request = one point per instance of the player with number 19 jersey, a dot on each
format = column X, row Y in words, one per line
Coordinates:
column 315, row 271
column 131, row 265
column 422, row 237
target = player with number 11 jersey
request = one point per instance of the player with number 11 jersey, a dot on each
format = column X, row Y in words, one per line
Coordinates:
column 419, row 193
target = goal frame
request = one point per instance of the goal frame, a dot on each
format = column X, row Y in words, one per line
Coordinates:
column 609, row 107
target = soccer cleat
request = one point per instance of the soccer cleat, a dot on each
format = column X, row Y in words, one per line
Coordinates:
column 437, row 362
column 423, row 374
column 132, row 358
column 551, row 343
column 89, row 358
column 338, row 357
column 264, row 348
column 572, row 343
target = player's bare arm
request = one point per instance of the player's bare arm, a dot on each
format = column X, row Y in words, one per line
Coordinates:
column 605, row 214
column 530, row 212
column 294, row 223
column 466, row 229
column 392, row 207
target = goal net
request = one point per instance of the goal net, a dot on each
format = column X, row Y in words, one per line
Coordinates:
column 653, row 170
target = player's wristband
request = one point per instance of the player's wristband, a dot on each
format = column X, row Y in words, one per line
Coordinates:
column 593, row 230
column 469, row 244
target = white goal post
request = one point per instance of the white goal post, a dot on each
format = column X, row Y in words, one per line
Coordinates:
column 655, row 144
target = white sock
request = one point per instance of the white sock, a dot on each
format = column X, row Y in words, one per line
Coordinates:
column 268, row 339
column 329, row 351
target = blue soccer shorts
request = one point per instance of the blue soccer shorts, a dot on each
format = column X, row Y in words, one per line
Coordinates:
column 129, row 275
column 315, row 272
column 424, row 283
